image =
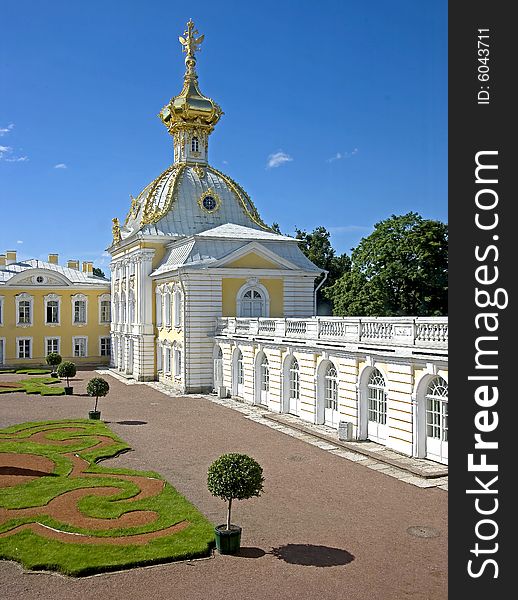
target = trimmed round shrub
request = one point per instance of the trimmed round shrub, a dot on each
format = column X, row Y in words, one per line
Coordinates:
column 53, row 359
column 67, row 369
column 235, row 477
column 97, row 386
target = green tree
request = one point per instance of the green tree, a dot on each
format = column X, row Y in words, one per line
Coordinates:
column 98, row 272
column 400, row 269
column 316, row 245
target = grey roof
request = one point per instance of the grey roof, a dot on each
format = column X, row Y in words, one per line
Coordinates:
column 203, row 250
column 178, row 192
column 73, row 275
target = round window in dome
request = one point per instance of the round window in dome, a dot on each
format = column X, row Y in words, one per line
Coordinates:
column 209, row 201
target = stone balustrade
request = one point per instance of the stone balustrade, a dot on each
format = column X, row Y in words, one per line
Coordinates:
column 404, row 332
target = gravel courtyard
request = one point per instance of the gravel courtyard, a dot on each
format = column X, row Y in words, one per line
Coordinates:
column 324, row 528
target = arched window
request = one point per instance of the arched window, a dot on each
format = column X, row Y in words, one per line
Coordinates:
column 252, row 304
column 240, row 369
column 195, row 146
column 177, row 307
column 437, row 409
column 294, row 380
column 159, row 308
column 377, row 398
column 167, row 308
column 331, row 388
column 131, row 316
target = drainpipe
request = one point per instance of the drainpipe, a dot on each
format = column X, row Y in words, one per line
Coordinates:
column 315, row 292
column 184, row 304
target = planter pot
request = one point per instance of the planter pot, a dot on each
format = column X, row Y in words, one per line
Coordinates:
column 228, row 541
column 69, row 391
column 94, row 414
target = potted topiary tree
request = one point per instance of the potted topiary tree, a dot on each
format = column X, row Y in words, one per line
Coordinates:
column 97, row 386
column 233, row 477
column 53, row 360
column 67, row 369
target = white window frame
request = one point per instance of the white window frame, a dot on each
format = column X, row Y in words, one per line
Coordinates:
column 159, row 307
column 79, row 298
column 167, row 360
column 131, row 307
column 105, row 298
column 52, row 298
column 101, row 338
column 331, row 387
column 47, row 339
column 1, row 310
column 24, row 339
column 167, row 308
column 177, row 308
column 252, row 285
column 195, row 144
column 80, row 337
column 25, row 298
column 177, row 362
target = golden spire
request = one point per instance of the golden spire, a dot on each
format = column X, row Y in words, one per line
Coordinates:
column 190, row 115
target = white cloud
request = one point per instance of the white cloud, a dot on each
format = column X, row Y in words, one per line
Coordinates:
column 60, row 166
column 6, row 130
column 19, row 241
column 277, row 159
column 6, row 155
column 340, row 155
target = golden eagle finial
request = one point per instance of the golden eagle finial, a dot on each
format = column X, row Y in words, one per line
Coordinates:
column 191, row 43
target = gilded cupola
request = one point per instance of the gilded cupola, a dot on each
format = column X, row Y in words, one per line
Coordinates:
column 190, row 117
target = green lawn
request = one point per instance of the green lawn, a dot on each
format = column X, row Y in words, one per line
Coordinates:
column 36, row 551
column 45, row 386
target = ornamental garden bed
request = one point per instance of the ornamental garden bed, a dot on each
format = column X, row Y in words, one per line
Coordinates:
column 45, row 386
column 60, row 510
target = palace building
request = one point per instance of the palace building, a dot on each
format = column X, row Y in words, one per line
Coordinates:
column 46, row 307
column 206, row 297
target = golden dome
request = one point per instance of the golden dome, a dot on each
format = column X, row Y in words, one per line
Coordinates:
column 190, row 108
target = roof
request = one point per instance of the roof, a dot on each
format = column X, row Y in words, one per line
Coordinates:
column 209, row 249
column 74, row 276
column 172, row 205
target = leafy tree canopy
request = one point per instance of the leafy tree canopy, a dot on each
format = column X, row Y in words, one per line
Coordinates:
column 400, row 269
column 98, row 272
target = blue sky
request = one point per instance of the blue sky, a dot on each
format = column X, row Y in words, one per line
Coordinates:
column 346, row 100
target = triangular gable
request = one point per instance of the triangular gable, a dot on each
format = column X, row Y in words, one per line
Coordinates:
column 254, row 256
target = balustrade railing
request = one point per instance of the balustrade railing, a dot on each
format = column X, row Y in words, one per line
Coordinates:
column 397, row 331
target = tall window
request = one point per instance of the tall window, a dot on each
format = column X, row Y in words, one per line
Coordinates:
column 123, row 308
column 437, row 409
column 294, row 380
column 177, row 362
column 177, row 316
column 240, row 369
column 131, row 315
column 158, row 308
column 331, row 388
column 25, row 348
column 105, row 311
column 79, row 346
column 265, row 375
column 51, row 345
column 24, row 312
column 79, row 310
column 52, row 312
column 377, row 398
column 252, row 304
column 105, row 346
column 167, row 368
column 167, row 309
column 195, row 146
column 1, row 310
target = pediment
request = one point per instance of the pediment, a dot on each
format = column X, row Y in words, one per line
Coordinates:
column 254, row 256
column 32, row 277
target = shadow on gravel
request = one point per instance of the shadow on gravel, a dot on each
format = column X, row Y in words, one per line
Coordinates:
column 131, row 422
column 250, row 552
column 312, row 556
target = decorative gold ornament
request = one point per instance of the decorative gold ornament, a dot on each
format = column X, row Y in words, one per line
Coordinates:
column 152, row 211
column 190, row 43
column 200, row 171
column 116, row 231
column 209, row 201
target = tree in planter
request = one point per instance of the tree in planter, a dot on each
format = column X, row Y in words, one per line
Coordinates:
column 235, row 477
column 53, row 360
column 97, row 386
column 67, row 369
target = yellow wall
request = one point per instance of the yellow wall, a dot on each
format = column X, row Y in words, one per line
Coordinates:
column 231, row 286
column 38, row 331
column 252, row 261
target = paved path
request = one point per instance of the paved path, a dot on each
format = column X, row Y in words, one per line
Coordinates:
column 325, row 527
